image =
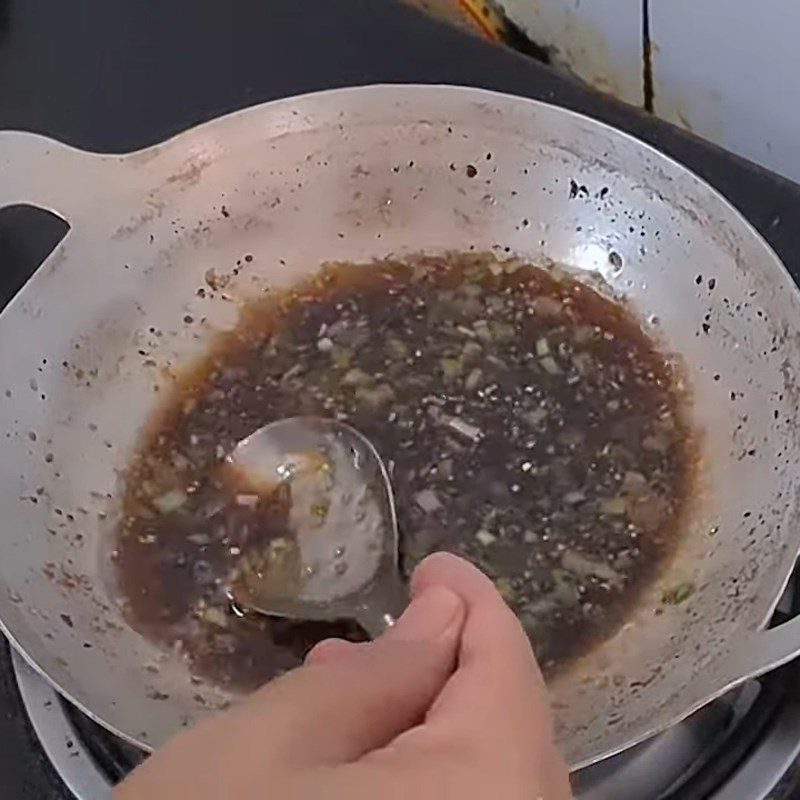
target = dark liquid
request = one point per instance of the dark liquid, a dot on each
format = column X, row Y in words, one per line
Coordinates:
column 528, row 424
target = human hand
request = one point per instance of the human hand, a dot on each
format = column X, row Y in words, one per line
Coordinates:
column 449, row 703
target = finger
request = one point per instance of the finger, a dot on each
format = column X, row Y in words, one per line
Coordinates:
column 352, row 699
column 494, row 711
column 494, row 649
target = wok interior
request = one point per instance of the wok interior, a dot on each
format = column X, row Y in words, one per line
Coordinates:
column 361, row 174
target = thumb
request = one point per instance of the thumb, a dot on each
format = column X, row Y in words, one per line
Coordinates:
column 342, row 705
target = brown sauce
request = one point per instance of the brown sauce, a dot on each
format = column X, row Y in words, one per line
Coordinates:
column 528, row 423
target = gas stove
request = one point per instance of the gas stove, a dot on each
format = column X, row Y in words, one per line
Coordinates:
column 111, row 79
column 743, row 746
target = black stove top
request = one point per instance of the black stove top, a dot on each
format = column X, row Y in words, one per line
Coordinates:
column 108, row 77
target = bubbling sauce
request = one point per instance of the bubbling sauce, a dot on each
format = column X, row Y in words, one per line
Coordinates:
column 528, row 424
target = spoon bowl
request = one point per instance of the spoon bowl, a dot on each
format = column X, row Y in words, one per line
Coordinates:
column 341, row 561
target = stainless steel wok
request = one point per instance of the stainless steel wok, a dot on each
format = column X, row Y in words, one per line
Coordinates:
column 357, row 174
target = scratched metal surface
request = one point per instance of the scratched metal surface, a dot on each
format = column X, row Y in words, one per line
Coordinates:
column 153, row 80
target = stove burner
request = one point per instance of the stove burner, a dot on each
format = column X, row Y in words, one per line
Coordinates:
column 748, row 738
column 744, row 745
column 58, row 737
column 115, row 757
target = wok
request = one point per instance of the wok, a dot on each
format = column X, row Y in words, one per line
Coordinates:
column 358, row 174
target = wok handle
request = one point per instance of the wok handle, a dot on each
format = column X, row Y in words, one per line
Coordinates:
column 39, row 171
column 766, row 650
column 754, row 654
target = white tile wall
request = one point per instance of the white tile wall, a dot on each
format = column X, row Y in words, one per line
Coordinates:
column 599, row 40
column 727, row 69
column 730, row 70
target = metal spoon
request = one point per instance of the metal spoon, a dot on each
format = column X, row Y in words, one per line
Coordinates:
column 341, row 562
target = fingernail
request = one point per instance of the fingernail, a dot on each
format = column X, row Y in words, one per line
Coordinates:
column 431, row 616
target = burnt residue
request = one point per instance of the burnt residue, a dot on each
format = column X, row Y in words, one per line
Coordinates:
column 528, row 424
column 576, row 189
column 189, row 174
column 153, row 209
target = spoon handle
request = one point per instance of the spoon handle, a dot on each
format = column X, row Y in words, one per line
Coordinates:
column 382, row 606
